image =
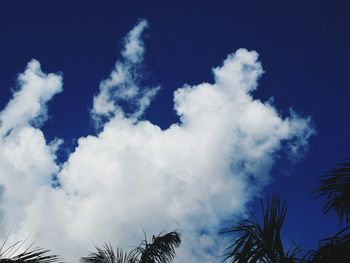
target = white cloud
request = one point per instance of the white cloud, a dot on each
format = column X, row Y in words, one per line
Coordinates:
column 123, row 82
column 133, row 46
column 27, row 162
column 29, row 101
column 133, row 175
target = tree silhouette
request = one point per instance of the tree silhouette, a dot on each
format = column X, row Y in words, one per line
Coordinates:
column 160, row 250
column 333, row 249
column 255, row 242
column 29, row 255
column 335, row 186
column 106, row 254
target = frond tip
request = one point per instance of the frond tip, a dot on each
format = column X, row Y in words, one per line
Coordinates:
column 332, row 249
column 335, row 186
column 106, row 254
column 255, row 242
column 160, row 250
column 29, row 255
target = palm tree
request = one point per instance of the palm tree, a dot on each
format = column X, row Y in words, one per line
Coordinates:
column 335, row 186
column 29, row 255
column 255, row 242
column 333, row 249
column 160, row 250
column 106, row 254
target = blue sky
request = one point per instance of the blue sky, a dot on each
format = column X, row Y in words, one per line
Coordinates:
column 303, row 49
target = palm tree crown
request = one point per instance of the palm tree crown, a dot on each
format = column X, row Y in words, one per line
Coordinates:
column 331, row 249
column 335, row 186
column 160, row 250
column 27, row 255
column 256, row 242
column 106, row 254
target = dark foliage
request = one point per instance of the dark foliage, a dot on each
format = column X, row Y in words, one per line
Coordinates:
column 106, row 254
column 29, row 255
column 335, row 186
column 160, row 250
column 260, row 243
column 333, row 249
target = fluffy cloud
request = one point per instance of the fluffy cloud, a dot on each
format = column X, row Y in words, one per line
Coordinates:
column 27, row 161
column 133, row 175
column 28, row 105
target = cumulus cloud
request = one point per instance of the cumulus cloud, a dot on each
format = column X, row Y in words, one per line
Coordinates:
column 29, row 101
column 27, row 161
column 133, row 175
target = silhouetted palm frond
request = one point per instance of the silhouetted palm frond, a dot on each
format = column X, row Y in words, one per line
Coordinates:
column 333, row 249
column 335, row 186
column 29, row 255
column 160, row 250
column 106, row 254
column 260, row 243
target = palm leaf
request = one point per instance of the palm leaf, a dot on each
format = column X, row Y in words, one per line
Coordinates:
column 335, row 186
column 333, row 249
column 106, row 254
column 160, row 250
column 255, row 242
column 29, row 255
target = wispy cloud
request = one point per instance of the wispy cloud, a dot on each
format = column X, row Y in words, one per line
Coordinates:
column 123, row 83
column 133, row 175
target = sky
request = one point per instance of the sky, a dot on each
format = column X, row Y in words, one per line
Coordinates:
column 118, row 117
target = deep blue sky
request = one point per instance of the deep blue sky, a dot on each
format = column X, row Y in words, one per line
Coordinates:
column 303, row 46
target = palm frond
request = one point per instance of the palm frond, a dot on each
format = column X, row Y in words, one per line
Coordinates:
column 106, row 254
column 255, row 242
column 29, row 255
column 332, row 249
column 335, row 186
column 160, row 250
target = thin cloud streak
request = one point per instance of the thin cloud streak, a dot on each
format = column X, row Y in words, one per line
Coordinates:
column 122, row 85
